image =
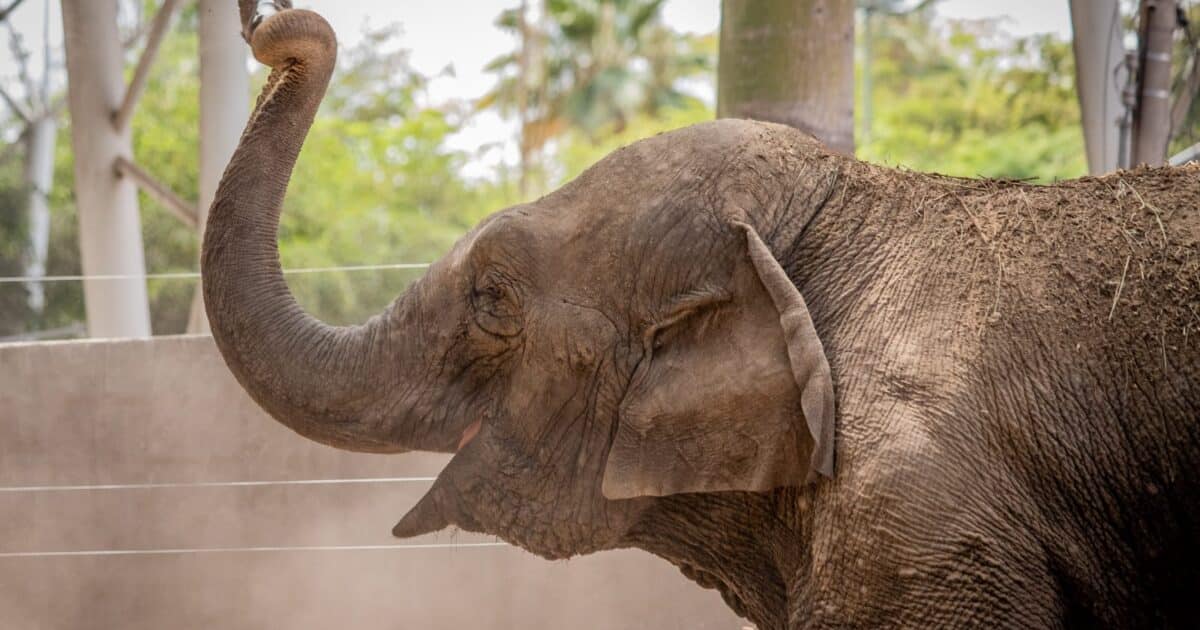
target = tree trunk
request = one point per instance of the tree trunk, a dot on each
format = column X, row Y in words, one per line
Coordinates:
column 110, row 229
column 790, row 62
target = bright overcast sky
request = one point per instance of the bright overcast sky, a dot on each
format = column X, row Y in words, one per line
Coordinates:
column 460, row 33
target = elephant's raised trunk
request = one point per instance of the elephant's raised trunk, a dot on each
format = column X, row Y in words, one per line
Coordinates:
column 331, row 384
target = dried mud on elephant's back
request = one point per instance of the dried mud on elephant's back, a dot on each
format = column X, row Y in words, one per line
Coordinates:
column 1105, row 260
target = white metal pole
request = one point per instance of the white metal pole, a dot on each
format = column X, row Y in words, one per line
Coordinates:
column 1098, row 58
column 110, row 231
column 224, row 106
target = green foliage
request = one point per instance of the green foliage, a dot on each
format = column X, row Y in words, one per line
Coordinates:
column 963, row 99
column 64, row 301
column 602, row 62
column 377, row 182
column 14, row 311
column 970, row 101
column 374, row 184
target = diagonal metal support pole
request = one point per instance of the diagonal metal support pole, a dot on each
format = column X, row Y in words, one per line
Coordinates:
column 137, row 85
column 182, row 210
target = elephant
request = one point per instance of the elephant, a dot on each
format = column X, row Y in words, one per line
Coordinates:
column 841, row 394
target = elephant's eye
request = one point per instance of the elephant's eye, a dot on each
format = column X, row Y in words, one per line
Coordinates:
column 489, row 296
column 497, row 311
column 667, row 334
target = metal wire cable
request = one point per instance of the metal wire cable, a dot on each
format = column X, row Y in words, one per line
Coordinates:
column 211, row 484
column 195, row 275
column 212, row 550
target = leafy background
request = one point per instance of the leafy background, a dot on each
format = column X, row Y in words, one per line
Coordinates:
column 378, row 182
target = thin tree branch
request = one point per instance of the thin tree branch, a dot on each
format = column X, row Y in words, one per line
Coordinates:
column 16, row 107
column 138, row 84
column 12, row 7
column 21, row 56
column 37, row 96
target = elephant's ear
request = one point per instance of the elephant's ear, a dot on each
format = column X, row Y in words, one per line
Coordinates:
column 734, row 393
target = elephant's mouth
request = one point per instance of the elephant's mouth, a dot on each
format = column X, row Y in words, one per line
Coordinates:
column 469, row 434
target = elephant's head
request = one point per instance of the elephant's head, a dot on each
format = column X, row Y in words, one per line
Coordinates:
column 626, row 337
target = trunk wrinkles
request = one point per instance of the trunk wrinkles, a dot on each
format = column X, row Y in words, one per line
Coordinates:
column 325, row 382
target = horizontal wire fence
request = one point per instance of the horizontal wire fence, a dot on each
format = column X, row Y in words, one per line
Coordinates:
column 212, row 550
column 195, row 275
column 306, row 292
column 220, row 484
column 211, row 484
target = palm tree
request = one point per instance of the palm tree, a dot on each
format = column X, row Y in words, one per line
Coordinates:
column 589, row 65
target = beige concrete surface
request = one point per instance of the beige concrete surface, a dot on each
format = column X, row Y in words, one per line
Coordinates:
column 167, row 411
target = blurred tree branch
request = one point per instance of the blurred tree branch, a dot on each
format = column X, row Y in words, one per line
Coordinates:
column 4, row 13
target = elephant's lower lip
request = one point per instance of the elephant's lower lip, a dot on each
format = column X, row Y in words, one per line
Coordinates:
column 469, row 434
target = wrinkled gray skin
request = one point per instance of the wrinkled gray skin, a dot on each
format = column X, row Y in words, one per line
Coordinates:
column 622, row 363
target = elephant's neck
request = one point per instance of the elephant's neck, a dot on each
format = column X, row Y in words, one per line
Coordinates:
column 745, row 545
column 870, row 259
column 839, row 220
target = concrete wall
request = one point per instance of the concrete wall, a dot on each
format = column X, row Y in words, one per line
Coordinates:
column 167, row 410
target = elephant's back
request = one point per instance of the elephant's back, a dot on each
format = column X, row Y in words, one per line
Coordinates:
column 1105, row 263
column 1080, row 301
